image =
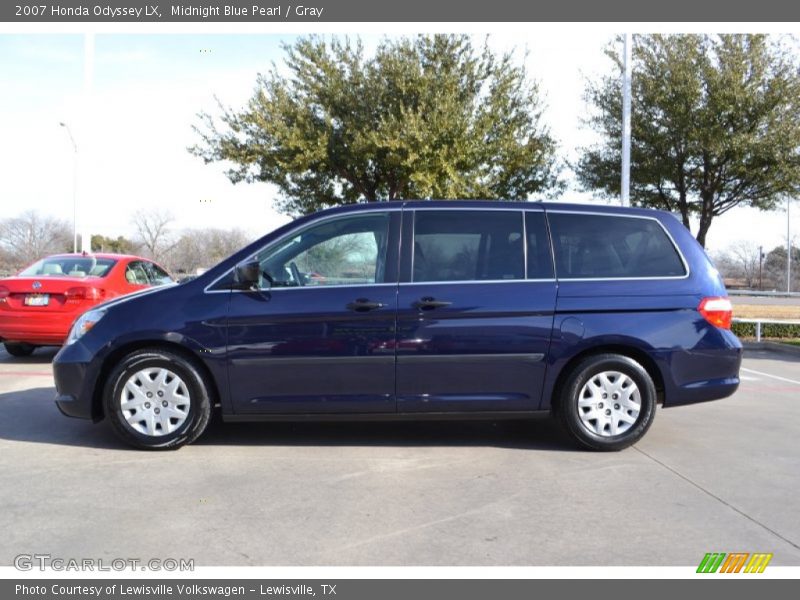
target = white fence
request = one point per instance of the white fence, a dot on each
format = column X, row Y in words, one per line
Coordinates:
column 760, row 322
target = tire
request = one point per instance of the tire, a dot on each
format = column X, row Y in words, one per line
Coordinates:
column 182, row 393
column 596, row 421
column 19, row 349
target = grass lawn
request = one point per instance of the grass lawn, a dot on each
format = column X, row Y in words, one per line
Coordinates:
column 762, row 311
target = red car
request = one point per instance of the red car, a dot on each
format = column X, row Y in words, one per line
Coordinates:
column 38, row 306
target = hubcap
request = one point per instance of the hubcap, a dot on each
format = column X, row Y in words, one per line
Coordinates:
column 609, row 419
column 155, row 418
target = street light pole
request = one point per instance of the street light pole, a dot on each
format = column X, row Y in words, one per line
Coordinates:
column 74, row 188
column 626, row 124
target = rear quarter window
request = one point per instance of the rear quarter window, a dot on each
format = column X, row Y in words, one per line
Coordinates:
column 611, row 247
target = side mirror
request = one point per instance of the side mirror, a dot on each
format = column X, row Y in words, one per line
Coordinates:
column 247, row 275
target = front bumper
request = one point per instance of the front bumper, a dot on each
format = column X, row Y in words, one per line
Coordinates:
column 75, row 378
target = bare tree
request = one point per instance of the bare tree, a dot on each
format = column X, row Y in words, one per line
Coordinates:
column 746, row 256
column 203, row 248
column 153, row 232
column 724, row 263
column 7, row 263
column 31, row 236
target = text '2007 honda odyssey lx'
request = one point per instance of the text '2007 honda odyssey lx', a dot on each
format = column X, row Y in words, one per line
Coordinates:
column 419, row 310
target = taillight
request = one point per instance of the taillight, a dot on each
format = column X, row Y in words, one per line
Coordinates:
column 717, row 311
column 79, row 294
column 4, row 292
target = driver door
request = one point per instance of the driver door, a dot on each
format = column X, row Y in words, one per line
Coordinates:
column 318, row 337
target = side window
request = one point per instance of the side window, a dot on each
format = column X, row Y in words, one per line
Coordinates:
column 469, row 245
column 156, row 274
column 135, row 273
column 598, row 246
column 540, row 260
column 346, row 251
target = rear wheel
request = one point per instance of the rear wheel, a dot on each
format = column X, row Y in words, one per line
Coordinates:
column 157, row 400
column 608, row 402
column 19, row 349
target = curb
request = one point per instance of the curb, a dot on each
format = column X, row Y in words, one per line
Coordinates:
column 775, row 346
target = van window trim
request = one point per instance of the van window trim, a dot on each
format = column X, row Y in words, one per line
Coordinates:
column 548, row 241
column 675, row 246
column 538, row 208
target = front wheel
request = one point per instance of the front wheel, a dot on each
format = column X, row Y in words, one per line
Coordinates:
column 157, row 400
column 607, row 402
column 19, row 349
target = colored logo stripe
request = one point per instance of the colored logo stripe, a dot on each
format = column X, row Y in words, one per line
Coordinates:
column 711, row 562
column 734, row 562
column 758, row 562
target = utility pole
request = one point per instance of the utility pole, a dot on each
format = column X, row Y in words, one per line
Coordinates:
column 788, row 247
column 74, row 187
column 88, row 145
column 626, row 124
column 760, row 263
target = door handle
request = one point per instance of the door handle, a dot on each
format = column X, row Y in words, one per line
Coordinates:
column 428, row 303
column 364, row 305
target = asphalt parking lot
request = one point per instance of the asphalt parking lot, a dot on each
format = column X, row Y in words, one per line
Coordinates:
column 766, row 300
column 722, row 476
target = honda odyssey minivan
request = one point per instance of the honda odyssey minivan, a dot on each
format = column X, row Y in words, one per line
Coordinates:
column 410, row 310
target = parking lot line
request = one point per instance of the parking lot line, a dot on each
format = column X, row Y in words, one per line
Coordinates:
column 26, row 373
column 770, row 375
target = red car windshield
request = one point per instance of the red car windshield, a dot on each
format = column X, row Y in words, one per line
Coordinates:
column 70, row 266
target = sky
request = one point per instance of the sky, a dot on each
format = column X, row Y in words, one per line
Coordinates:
column 134, row 124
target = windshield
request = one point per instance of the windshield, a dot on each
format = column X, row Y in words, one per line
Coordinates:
column 70, row 266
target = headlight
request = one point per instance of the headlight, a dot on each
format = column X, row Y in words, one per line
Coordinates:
column 84, row 323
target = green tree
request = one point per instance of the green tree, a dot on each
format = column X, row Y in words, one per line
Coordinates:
column 424, row 117
column 775, row 268
column 118, row 245
column 715, row 124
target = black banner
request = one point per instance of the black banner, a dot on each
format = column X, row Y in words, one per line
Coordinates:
column 313, row 11
column 392, row 589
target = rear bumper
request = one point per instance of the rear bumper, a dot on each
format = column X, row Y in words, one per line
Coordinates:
column 74, row 378
column 41, row 329
column 703, row 391
column 703, row 374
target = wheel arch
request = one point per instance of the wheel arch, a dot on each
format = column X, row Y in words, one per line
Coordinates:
column 632, row 352
column 116, row 355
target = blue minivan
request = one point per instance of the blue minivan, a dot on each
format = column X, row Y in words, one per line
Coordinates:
column 411, row 310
